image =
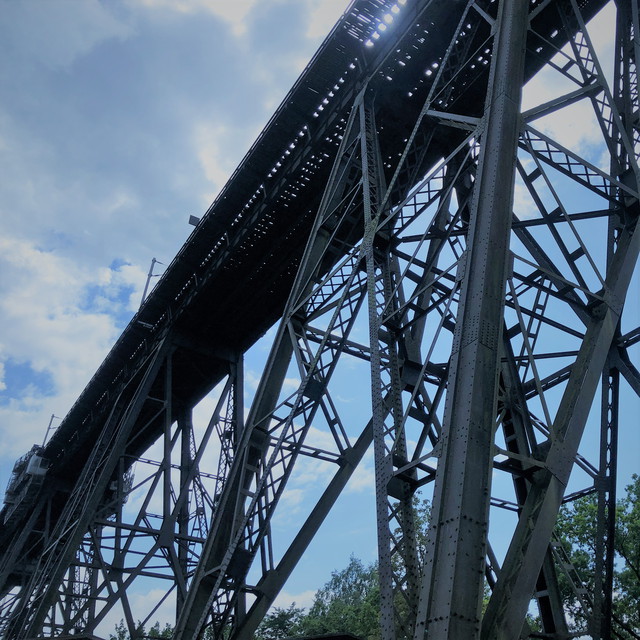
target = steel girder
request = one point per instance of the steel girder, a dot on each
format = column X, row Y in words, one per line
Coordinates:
column 488, row 264
column 499, row 295
column 105, row 546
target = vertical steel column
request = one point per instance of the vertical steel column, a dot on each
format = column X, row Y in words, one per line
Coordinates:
column 185, row 424
column 237, row 398
column 519, row 438
column 93, row 578
column 451, row 599
column 372, row 191
column 167, row 445
column 601, row 619
column 602, row 616
column 606, row 521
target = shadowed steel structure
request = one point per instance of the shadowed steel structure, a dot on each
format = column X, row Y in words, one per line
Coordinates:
column 401, row 213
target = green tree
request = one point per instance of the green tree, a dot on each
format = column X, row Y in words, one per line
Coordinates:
column 627, row 543
column 348, row 603
column 156, row 631
column 577, row 530
column 160, row 632
column 281, row 623
column 121, row 632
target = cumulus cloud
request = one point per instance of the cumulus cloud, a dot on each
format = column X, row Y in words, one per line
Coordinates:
column 234, row 12
column 322, row 17
column 56, row 34
column 46, row 323
column 291, row 500
column 211, row 142
column 363, row 478
column 311, row 476
column 285, row 599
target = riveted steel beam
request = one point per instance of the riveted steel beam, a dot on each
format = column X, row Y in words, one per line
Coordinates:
column 453, row 581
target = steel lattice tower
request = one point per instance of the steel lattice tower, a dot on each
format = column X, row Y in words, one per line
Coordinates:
column 403, row 212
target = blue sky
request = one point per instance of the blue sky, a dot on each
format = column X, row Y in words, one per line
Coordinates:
column 119, row 120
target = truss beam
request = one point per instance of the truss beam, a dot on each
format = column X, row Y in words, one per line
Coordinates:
column 466, row 258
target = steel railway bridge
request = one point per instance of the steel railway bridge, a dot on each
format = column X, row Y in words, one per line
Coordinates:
column 404, row 212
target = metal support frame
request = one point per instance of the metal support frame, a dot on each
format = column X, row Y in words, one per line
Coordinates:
column 452, row 591
column 492, row 322
column 157, row 537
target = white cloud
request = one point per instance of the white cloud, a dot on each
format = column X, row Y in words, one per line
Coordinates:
column 234, row 12
column 322, row 17
column 574, row 127
column 218, row 156
column 45, row 325
column 291, row 500
column 523, row 204
column 304, row 599
column 291, row 384
column 58, row 33
column 311, row 475
column 113, row 281
column 363, row 478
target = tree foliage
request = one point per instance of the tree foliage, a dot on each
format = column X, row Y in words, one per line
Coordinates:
column 628, row 548
column 348, row 603
column 156, row 631
column 281, row 623
column 577, row 527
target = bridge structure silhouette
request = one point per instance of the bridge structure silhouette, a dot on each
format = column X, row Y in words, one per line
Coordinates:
column 404, row 213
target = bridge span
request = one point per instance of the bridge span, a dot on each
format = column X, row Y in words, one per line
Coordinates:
column 402, row 210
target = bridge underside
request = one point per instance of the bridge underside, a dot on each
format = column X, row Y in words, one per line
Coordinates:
column 418, row 229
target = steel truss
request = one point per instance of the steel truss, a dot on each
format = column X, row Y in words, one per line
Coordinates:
column 83, row 572
column 492, row 289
